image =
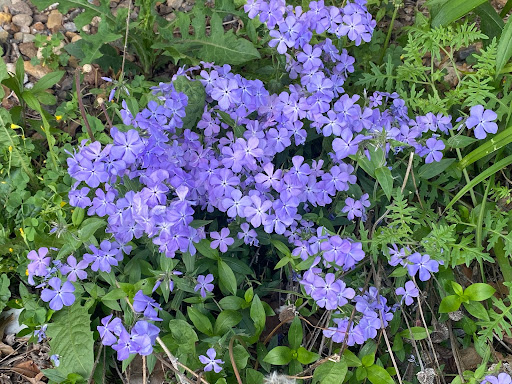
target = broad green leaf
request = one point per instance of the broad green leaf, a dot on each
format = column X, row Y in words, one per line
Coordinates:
column 450, row 303
column 232, row 302
column 368, row 360
column 481, row 177
column 416, row 333
column 385, row 179
column 504, row 47
column 219, row 46
column 295, row 334
column 453, row 10
column 428, row 171
column 78, row 216
column 225, row 321
column 3, row 73
column 115, row 294
column 398, row 272
column 306, row 357
column 5, row 293
column 72, row 339
column 253, row 377
column 227, row 277
column 281, row 247
column 330, row 373
column 279, row 356
column 196, row 100
column 457, row 288
column 241, row 356
column 506, row 9
column 477, row 310
column 351, row 359
column 257, row 314
column 378, row 375
column 47, row 81
column 490, row 146
column 203, row 247
column 182, row 338
column 479, row 292
column 89, row 227
column 460, row 141
column 491, row 23
column 200, row 321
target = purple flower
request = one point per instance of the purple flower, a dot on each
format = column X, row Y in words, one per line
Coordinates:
column 222, row 241
column 482, row 120
column 423, row 264
column 257, row 211
column 40, row 263
column 109, row 329
column 353, row 208
column 55, row 360
column 409, row 292
column 74, row 269
column 210, row 361
column 127, row 145
column 147, row 305
column 59, row 296
column 502, row 378
column 433, row 150
column 41, row 333
column 204, row 284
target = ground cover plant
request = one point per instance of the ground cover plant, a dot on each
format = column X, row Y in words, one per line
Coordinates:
column 304, row 199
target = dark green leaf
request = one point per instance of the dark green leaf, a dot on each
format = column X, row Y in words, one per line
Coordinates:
column 490, row 22
column 427, row 171
column 227, row 277
column 203, row 247
column 504, row 47
column 225, row 321
column 295, row 334
column 196, row 100
column 453, row 10
column 385, row 179
column 201, row 322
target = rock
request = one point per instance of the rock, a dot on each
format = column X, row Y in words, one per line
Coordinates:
column 86, row 28
column 36, row 71
column 21, row 8
column 25, row 29
column 76, row 38
column 18, row 36
column 38, row 27
column 174, row 4
column 5, row 3
column 41, row 17
column 95, row 21
column 4, row 35
column 22, row 20
column 12, row 27
column 54, row 20
column 5, row 18
column 28, row 38
column 11, row 67
column 28, row 49
column 70, row 26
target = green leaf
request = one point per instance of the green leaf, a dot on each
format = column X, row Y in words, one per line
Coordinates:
column 89, row 227
column 481, row 177
column 479, row 291
column 232, row 302
column 428, row 171
column 306, row 357
column 460, row 141
column 257, row 314
column 5, row 293
column 253, row 377
column 203, row 247
column 450, row 303
column 241, row 356
column 385, row 179
column 491, row 23
column 47, row 81
column 183, row 337
column 196, row 100
column 330, row 373
column 490, row 146
column 227, row 277
column 78, row 216
column 279, row 356
column 398, row 272
column 378, row 375
column 281, row 247
column 115, row 294
column 219, row 46
column 200, row 321
column 453, row 10
column 477, row 310
column 295, row 334
column 225, row 321
column 416, row 333
column 72, row 339
column 504, row 47
column 368, row 360
column 351, row 359
column 457, row 288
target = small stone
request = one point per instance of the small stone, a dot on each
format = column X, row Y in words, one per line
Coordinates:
column 25, row 29
column 29, row 85
column 11, row 67
column 21, row 8
column 95, row 21
column 39, row 27
column 70, row 35
column 5, row 18
column 41, row 17
column 28, row 49
column 5, row 3
column 12, row 27
column 54, row 20
column 86, row 28
column 4, row 35
column 28, row 38
column 174, row 4
column 76, row 38
column 18, row 36
column 22, row 20
column 37, row 71
column 70, row 26
column 170, row 17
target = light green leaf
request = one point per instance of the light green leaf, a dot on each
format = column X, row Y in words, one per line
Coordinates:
column 477, row 310
column 484, row 149
column 279, row 356
column 416, row 333
column 330, row 373
column 306, row 357
column 47, row 81
column 227, row 277
column 479, row 291
column 453, row 10
column 378, row 375
column 200, row 321
column 225, row 321
column 450, row 303
column 295, row 334
column 72, row 339
column 89, row 227
column 504, row 47
column 385, row 179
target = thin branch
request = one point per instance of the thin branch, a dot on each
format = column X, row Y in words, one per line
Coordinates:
column 232, row 359
column 95, row 364
column 81, row 105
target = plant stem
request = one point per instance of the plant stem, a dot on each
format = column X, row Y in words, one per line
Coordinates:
column 390, row 30
column 466, row 175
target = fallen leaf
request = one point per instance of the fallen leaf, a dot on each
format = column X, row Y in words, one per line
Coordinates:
column 27, row 368
column 5, row 349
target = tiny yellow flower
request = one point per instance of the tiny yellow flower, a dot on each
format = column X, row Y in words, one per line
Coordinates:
column 22, row 232
column 10, row 148
column 62, row 203
column 58, row 117
column 11, row 250
column 14, row 126
column 26, row 272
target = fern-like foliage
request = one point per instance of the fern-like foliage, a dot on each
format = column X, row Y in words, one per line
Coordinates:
column 500, row 319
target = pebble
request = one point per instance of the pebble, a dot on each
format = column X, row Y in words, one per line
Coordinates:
column 174, row 4
column 18, row 36
column 70, row 26
column 37, row 71
column 25, row 29
column 28, row 38
column 5, row 18
column 28, row 49
column 41, row 17
column 54, row 20
column 38, row 27
column 76, row 38
column 21, row 8
column 22, row 20
column 4, row 35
